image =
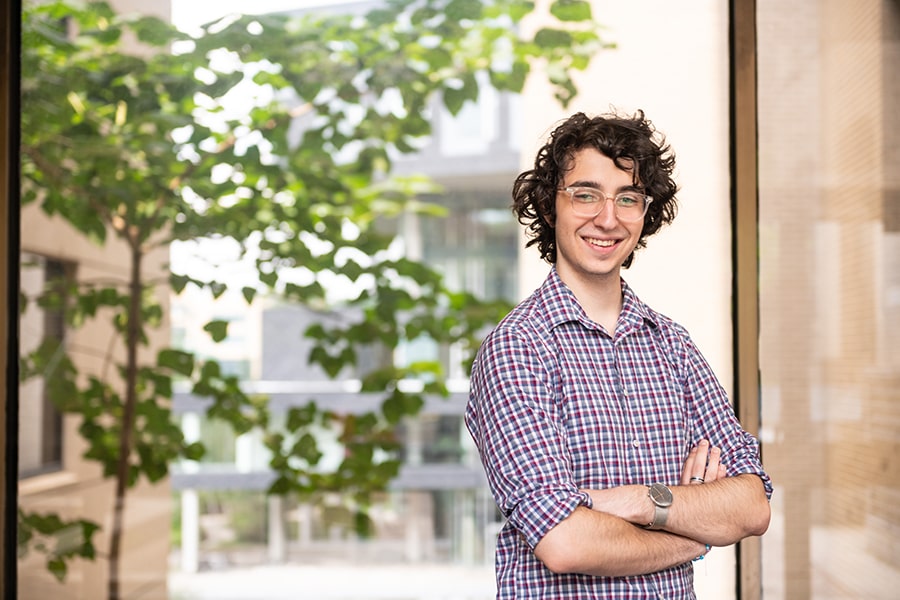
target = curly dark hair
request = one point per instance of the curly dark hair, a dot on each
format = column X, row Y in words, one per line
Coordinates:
column 626, row 140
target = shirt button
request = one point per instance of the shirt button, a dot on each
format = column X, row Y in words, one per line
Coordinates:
column 635, row 443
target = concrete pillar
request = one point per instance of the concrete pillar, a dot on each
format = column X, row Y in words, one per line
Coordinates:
column 243, row 452
column 414, row 444
column 413, row 546
column 277, row 534
column 190, row 502
column 464, row 503
column 190, row 531
column 304, row 524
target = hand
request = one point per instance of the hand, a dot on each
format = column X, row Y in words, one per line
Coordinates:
column 630, row 502
column 702, row 465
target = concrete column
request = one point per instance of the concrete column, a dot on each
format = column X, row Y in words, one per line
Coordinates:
column 464, row 503
column 413, row 547
column 304, row 524
column 190, row 502
column 277, row 534
column 243, row 452
column 414, row 444
column 190, row 531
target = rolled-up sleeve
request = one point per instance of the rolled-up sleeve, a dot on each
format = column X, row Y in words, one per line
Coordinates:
column 515, row 418
column 716, row 421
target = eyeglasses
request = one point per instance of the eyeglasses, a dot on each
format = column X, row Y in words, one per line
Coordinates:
column 589, row 202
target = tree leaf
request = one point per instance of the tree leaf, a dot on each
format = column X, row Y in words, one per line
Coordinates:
column 571, row 10
column 217, row 329
column 553, row 38
column 177, row 360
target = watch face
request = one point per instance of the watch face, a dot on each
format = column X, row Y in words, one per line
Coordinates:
column 660, row 494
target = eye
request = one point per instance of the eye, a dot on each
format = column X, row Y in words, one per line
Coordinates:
column 629, row 199
column 585, row 195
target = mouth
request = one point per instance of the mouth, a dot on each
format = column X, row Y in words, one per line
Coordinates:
column 601, row 243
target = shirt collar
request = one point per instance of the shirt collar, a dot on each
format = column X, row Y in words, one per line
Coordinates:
column 562, row 306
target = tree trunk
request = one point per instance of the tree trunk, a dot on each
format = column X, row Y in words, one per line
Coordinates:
column 132, row 339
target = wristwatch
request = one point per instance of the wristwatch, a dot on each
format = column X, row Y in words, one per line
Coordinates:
column 661, row 496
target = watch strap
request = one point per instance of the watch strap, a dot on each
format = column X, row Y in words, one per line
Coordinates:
column 660, row 516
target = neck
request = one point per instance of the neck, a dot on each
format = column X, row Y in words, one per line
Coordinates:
column 599, row 296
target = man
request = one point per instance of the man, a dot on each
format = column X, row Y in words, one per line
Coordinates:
column 607, row 441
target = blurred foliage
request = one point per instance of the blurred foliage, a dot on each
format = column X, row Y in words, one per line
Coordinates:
column 279, row 134
column 57, row 539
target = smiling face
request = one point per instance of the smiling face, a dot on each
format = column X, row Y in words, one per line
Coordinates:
column 591, row 250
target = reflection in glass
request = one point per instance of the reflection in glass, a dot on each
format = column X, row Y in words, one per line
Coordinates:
column 830, row 296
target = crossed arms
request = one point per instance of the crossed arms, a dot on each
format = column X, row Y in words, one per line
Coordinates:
column 719, row 512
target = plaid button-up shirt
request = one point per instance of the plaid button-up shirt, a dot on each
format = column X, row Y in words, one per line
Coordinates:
column 557, row 405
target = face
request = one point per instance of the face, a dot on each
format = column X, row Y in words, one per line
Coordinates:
column 590, row 251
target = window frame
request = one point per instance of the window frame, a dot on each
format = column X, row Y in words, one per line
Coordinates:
column 745, row 258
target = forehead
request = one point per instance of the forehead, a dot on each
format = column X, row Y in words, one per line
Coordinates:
column 591, row 163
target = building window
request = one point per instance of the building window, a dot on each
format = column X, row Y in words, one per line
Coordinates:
column 474, row 129
column 475, row 248
column 432, row 439
column 40, row 423
column 476, row 245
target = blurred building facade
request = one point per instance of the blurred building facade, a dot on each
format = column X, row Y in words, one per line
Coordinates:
column 438, row 509
column 824, row 115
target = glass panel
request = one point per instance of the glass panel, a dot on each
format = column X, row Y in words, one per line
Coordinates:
column 476, row 244
column 40, row 423
column 209, row 530
column 830, row 296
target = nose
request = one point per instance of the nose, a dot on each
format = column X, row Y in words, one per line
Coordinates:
column 607, row 215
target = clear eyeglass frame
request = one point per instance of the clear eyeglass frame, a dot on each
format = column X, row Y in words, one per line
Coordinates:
column 630, row 206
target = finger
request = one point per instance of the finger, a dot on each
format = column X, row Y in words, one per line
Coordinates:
column 688, row 469
column 712, row 467
column 698, row 470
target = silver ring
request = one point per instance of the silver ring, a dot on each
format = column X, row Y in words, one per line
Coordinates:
column 696, row 480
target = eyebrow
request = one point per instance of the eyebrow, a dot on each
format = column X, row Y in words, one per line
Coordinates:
column 599, row 186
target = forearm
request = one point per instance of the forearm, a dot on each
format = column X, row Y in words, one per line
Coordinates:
column 722, row 512
column 718, row 513
column 594, row 543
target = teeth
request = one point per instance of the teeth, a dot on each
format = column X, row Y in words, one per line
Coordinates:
column 601, row 243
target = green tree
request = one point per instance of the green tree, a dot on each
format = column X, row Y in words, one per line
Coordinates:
column 148, row 148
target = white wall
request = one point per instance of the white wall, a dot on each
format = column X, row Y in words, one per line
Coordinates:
column 671, row 61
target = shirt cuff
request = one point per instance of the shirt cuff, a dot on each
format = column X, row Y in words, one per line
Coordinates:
column 535, row 516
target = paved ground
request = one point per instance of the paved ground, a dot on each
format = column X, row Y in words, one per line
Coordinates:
column 360, row 572
column 353, row 576
column 380, row 582
column 336, row 582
